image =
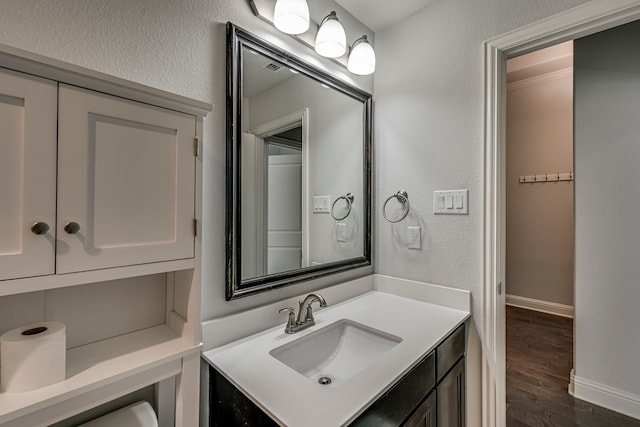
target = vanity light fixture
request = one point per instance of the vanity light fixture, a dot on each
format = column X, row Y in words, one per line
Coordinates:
column 328, row 39
column 362, row 59
column 331, row 41
column 291, row 16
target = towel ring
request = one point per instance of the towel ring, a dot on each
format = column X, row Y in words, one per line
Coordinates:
column 349, row 199
column 403, row 198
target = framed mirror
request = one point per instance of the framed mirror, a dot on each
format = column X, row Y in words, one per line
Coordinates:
column 298, row 202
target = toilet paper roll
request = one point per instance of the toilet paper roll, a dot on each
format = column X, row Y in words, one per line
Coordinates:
column 32, row 356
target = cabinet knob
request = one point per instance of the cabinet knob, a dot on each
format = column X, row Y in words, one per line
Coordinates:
column 72, row 227
column 40, row 228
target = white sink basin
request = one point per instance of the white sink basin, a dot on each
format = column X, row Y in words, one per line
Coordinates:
column 336, row 352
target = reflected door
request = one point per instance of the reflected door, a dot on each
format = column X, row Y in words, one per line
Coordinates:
column 284, row 212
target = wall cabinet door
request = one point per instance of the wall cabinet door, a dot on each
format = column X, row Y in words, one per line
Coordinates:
column 28, row 114
column 126, row 174
column 451, row 397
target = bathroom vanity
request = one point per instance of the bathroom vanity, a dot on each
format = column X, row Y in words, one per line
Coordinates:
column 376, row 359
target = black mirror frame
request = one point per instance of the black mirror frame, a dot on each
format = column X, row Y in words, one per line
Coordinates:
column 234, row 286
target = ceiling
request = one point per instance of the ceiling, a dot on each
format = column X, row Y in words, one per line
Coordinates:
column 380, row 14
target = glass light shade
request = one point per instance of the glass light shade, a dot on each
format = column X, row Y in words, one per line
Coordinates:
column 291, row 16
column 362, row 59
column 331, row 41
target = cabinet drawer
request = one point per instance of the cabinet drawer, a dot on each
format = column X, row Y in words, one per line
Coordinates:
column 448, row 353
column 398, row 403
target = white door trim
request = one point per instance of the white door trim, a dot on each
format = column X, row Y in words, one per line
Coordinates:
column 284, row 123
column 589, row 18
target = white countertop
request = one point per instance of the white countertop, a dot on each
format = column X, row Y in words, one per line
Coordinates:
column 294, row 400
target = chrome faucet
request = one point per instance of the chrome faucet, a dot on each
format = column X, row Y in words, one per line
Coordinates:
column 297, row 324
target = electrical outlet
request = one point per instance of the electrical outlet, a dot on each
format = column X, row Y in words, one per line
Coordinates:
column 413, row 238
column 342, row 232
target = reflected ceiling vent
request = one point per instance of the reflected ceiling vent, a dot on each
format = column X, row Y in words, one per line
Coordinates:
column 272, row 66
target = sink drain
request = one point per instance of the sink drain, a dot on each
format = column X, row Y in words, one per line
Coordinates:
column 324, row 380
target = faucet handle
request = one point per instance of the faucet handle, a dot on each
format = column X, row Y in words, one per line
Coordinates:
column 291, row 322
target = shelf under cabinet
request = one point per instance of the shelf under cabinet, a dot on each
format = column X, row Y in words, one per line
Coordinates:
column 54, row 281
column 97, row 373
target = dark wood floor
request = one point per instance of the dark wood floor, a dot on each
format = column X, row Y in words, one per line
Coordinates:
column 539, row 361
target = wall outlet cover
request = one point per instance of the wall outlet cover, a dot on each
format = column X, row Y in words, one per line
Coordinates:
column 413, row 237
column 342, row 232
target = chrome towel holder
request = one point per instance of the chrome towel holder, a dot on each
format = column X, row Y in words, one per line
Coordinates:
column 403, row 197
column 349, row 199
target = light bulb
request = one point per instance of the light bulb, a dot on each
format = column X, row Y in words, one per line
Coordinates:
column 291, row 16
column 331, row 41
column 362, row 59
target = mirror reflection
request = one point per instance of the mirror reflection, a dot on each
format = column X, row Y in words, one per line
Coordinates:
column 290, row 174
column 302, row 145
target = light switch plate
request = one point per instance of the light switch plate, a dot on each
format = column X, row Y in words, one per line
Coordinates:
column 321, row 204
column 451, row 202
column 413, row 238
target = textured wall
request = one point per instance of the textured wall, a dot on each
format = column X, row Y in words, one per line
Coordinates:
column 429, row 132
column 607, row 154
column 178, row 46
column 428, row 92
column 540, row 216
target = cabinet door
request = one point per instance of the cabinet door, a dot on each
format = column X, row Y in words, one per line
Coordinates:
column 451, row 397
column 28, row 113
column 425, row 415
column 126, row 177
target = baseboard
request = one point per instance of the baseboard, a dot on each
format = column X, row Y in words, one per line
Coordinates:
column 539, row 305
column 605, row 396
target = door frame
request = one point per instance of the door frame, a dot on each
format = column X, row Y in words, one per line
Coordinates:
column 580, row 21
column 281, row 124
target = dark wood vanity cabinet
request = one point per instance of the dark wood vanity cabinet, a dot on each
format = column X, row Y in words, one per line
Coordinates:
column 425, row 415
column 432, row 394
column 450, row 372
column 451, row 401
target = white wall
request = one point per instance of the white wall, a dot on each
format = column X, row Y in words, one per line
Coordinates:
column 607, row 155
column 540, row 215
column 178, row 46
column 428, row 131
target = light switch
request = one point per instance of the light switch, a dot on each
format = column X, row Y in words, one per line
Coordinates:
column 448, row 201
column 452, row 202
column 458, row 201
column 321, row 204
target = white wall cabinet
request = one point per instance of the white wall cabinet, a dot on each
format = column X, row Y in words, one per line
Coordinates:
column 28, row 114
column 108, row 170
column 126, row 178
